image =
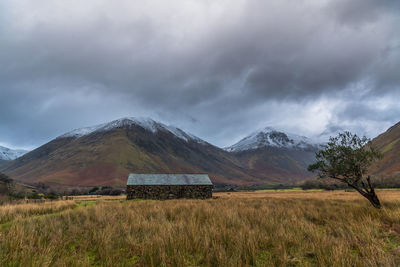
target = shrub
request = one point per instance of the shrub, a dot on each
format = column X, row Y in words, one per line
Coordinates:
column 5, row 179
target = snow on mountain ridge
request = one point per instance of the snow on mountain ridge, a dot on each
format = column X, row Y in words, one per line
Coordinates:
column 270, row 137
column 146, row 123
column 11, row 154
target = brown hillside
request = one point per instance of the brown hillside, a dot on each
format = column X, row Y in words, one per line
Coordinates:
column 277, row 164
column 106, row 158
column 388, row 144
column 3, row 162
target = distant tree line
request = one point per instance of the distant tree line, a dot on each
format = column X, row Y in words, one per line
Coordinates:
column 381, row 181
column 97, row 190
column 5, row 179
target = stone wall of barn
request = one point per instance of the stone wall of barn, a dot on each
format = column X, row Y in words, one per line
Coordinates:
column 168, row 191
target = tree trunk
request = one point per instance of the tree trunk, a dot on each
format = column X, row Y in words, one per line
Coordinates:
column 370, row 195
column 373, row 198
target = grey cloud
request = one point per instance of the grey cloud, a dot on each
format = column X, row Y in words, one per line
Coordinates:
column 359, row 12
column 213, row 68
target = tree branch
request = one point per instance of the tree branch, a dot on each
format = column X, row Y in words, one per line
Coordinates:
column 370, row 184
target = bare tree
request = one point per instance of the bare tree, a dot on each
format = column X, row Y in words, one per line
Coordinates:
column 346, row 158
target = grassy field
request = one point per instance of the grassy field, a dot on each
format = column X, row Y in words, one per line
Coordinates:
column 290, row 228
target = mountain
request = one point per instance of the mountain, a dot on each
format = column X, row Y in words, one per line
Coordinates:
column 388, row 143
column 105, row 154
column 275, row 155
column 7, row 154
column 270, row 137
column 10, row 154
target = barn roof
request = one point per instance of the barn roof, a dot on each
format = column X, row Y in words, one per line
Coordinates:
column 168, row 179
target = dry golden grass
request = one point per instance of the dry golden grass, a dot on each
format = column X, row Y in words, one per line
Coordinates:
column 10, row 212
column 385, row 195
column 236, row 229
column 96, row 197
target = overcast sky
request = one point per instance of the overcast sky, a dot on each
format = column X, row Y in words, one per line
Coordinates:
column 219, row 69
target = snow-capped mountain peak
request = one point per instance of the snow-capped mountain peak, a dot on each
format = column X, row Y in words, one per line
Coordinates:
column 11, row 154
column 146, row 123
column 270, row 137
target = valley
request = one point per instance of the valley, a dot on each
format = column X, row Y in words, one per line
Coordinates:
column 107, row 153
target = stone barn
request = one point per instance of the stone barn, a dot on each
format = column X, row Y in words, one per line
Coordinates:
column 168, row 186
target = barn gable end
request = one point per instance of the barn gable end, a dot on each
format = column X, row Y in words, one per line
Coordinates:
column 168, row 186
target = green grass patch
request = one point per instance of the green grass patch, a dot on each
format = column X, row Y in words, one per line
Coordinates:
column 390, row 145
column 86, row 203
column 286, row 189
column 387, row 189
column 5, row 226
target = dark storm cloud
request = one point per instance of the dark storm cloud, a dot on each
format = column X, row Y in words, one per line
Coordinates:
column 216, row 68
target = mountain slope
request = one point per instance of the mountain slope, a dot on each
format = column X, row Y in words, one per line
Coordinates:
column 107, row 153
column 388, row 144
column 3, row 162
column 275, row 155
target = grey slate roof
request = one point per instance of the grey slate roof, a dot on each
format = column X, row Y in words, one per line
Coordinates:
column 168, row 179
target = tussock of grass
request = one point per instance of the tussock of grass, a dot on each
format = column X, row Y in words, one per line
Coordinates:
column 315, row 230
column 10, row 212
